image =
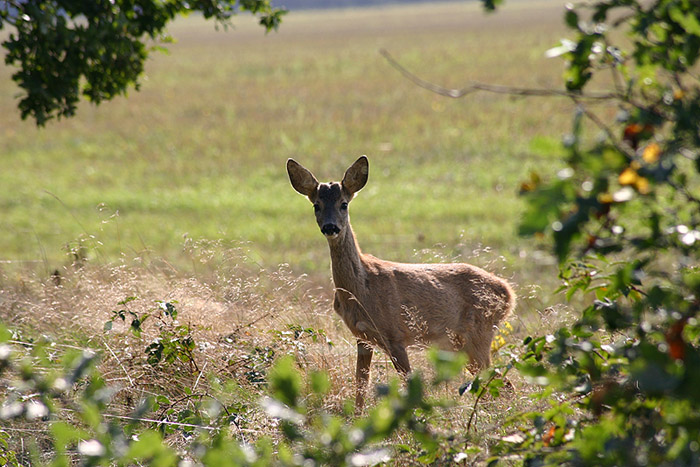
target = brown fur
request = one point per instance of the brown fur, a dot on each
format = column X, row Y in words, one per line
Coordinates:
column 396, row 305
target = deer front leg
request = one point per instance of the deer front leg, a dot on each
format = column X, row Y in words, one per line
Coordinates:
column 364, row 358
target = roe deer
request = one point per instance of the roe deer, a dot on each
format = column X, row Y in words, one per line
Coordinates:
column 395, row 305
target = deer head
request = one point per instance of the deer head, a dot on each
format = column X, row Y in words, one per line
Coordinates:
column 330, row 200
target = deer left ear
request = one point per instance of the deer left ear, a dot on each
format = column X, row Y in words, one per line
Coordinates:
column 356, row 176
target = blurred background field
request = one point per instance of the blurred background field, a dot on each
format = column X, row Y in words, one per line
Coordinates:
column 199, row 151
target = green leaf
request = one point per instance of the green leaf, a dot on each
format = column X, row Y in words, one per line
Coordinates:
column 688, row 20
column 161, row 399
column 5, row 334
column 475, row 385
column 127, row 300
column 285, row 381
column 66, row 435
column 495, row 387
column 448, row 365
column 491, row 5
column 543, row 207
column 150, row 447
column 571, row 18
column 320, row 383
column 95, row 50
column 168, row 308
column 136, row 327
column 382, row 418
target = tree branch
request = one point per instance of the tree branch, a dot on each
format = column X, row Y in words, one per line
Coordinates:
column 493, row 88
column 620, row 145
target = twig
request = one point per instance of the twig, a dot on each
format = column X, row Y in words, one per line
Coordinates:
column 621, row 146
column 199, row 376
column 131, row 381
column 482, row 392
column 24, row 430
column 250, row 323
column 163, row 422
column 494, row 88
column 54, row 344
column 476, row 402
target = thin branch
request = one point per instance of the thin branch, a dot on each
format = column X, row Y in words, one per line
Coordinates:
column 621, row 146
column 200, row 376
column 493, row 88
column 131, row 381
column 32, row 344
column 160, row 422
column 481, row 394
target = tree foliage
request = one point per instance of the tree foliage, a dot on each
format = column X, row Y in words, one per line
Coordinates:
column 65, row 49
column 624, row 220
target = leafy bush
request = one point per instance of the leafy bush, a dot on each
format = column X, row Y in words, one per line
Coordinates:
column 624, row 219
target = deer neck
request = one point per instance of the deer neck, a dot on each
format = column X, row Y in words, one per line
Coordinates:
column 346, row 262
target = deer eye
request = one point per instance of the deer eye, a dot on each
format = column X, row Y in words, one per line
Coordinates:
column 343, row 206
column 317, row 207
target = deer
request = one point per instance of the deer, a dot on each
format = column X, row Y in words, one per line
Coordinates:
column 392, row 305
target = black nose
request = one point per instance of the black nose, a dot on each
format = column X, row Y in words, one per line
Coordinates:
column 330, row 229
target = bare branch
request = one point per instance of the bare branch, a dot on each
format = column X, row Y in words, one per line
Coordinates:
column 494, row 88
column 620, row 145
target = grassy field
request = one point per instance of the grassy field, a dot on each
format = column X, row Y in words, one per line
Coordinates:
column 179, row 192
column 200, row 150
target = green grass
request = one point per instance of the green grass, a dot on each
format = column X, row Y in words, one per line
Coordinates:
column 200, row 150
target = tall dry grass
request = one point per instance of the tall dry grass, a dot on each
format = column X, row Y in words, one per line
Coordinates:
column 241, row 317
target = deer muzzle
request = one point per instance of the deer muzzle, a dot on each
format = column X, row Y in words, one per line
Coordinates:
column 330, row 230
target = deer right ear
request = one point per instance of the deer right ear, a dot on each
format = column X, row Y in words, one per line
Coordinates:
column 302, row 180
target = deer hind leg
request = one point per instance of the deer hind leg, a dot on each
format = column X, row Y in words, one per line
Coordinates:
column 478, row 348
column 364, row 359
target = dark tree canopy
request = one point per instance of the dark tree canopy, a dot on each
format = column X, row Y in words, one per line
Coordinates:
column 67, row 48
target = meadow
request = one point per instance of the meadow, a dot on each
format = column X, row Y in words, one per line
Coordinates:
column 200, row 149
column 179, row 192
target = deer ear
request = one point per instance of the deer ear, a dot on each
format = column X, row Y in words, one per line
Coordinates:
column 356, row 176
column 302, row 180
